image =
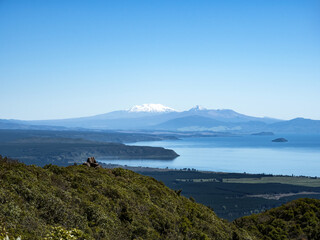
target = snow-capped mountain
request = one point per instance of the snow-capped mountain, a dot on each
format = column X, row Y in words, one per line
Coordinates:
column 198, row 108
column 151, row 108
column 160, row 117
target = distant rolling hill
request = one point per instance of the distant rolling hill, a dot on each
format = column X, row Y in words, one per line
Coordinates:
column 226, row 115
column 42, row 147
column 297, row 125
column 199, row 123
column 17, row 124
column 190, row 122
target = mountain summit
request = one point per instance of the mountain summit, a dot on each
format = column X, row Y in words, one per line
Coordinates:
column 198, row 108
column 151, row 108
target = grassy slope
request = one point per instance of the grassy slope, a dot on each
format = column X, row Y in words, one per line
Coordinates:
column 102, row 204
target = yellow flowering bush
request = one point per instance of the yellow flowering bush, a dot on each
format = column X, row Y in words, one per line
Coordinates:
column 59, row 233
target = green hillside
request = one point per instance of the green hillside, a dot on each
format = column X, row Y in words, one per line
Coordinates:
column 78, row 202
column 299, row 219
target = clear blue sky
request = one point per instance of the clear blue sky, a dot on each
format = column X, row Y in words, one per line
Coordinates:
column 62, row 59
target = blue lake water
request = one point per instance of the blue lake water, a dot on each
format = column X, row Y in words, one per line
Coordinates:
column 251, row 154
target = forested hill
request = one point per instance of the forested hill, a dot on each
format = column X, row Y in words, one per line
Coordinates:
column 299, row 219
column 97, row 203
column 80, row 202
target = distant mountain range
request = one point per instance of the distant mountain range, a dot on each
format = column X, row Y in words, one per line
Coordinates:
column 159, row 117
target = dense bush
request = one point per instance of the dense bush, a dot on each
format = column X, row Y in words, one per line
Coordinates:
column 299, row 219
column 78, row 202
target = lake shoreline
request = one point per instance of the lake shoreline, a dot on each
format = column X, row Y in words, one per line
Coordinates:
column 247, row 153
column 167, row 169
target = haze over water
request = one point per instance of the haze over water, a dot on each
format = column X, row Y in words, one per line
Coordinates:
column 250, row 154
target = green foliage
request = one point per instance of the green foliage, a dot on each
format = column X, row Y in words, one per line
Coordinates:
column 59, row 232
column 4, row 234
column 299, row 219
column 78, row 202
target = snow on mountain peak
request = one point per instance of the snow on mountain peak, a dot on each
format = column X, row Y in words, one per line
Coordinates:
column 154, row 108
column 197, row 108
